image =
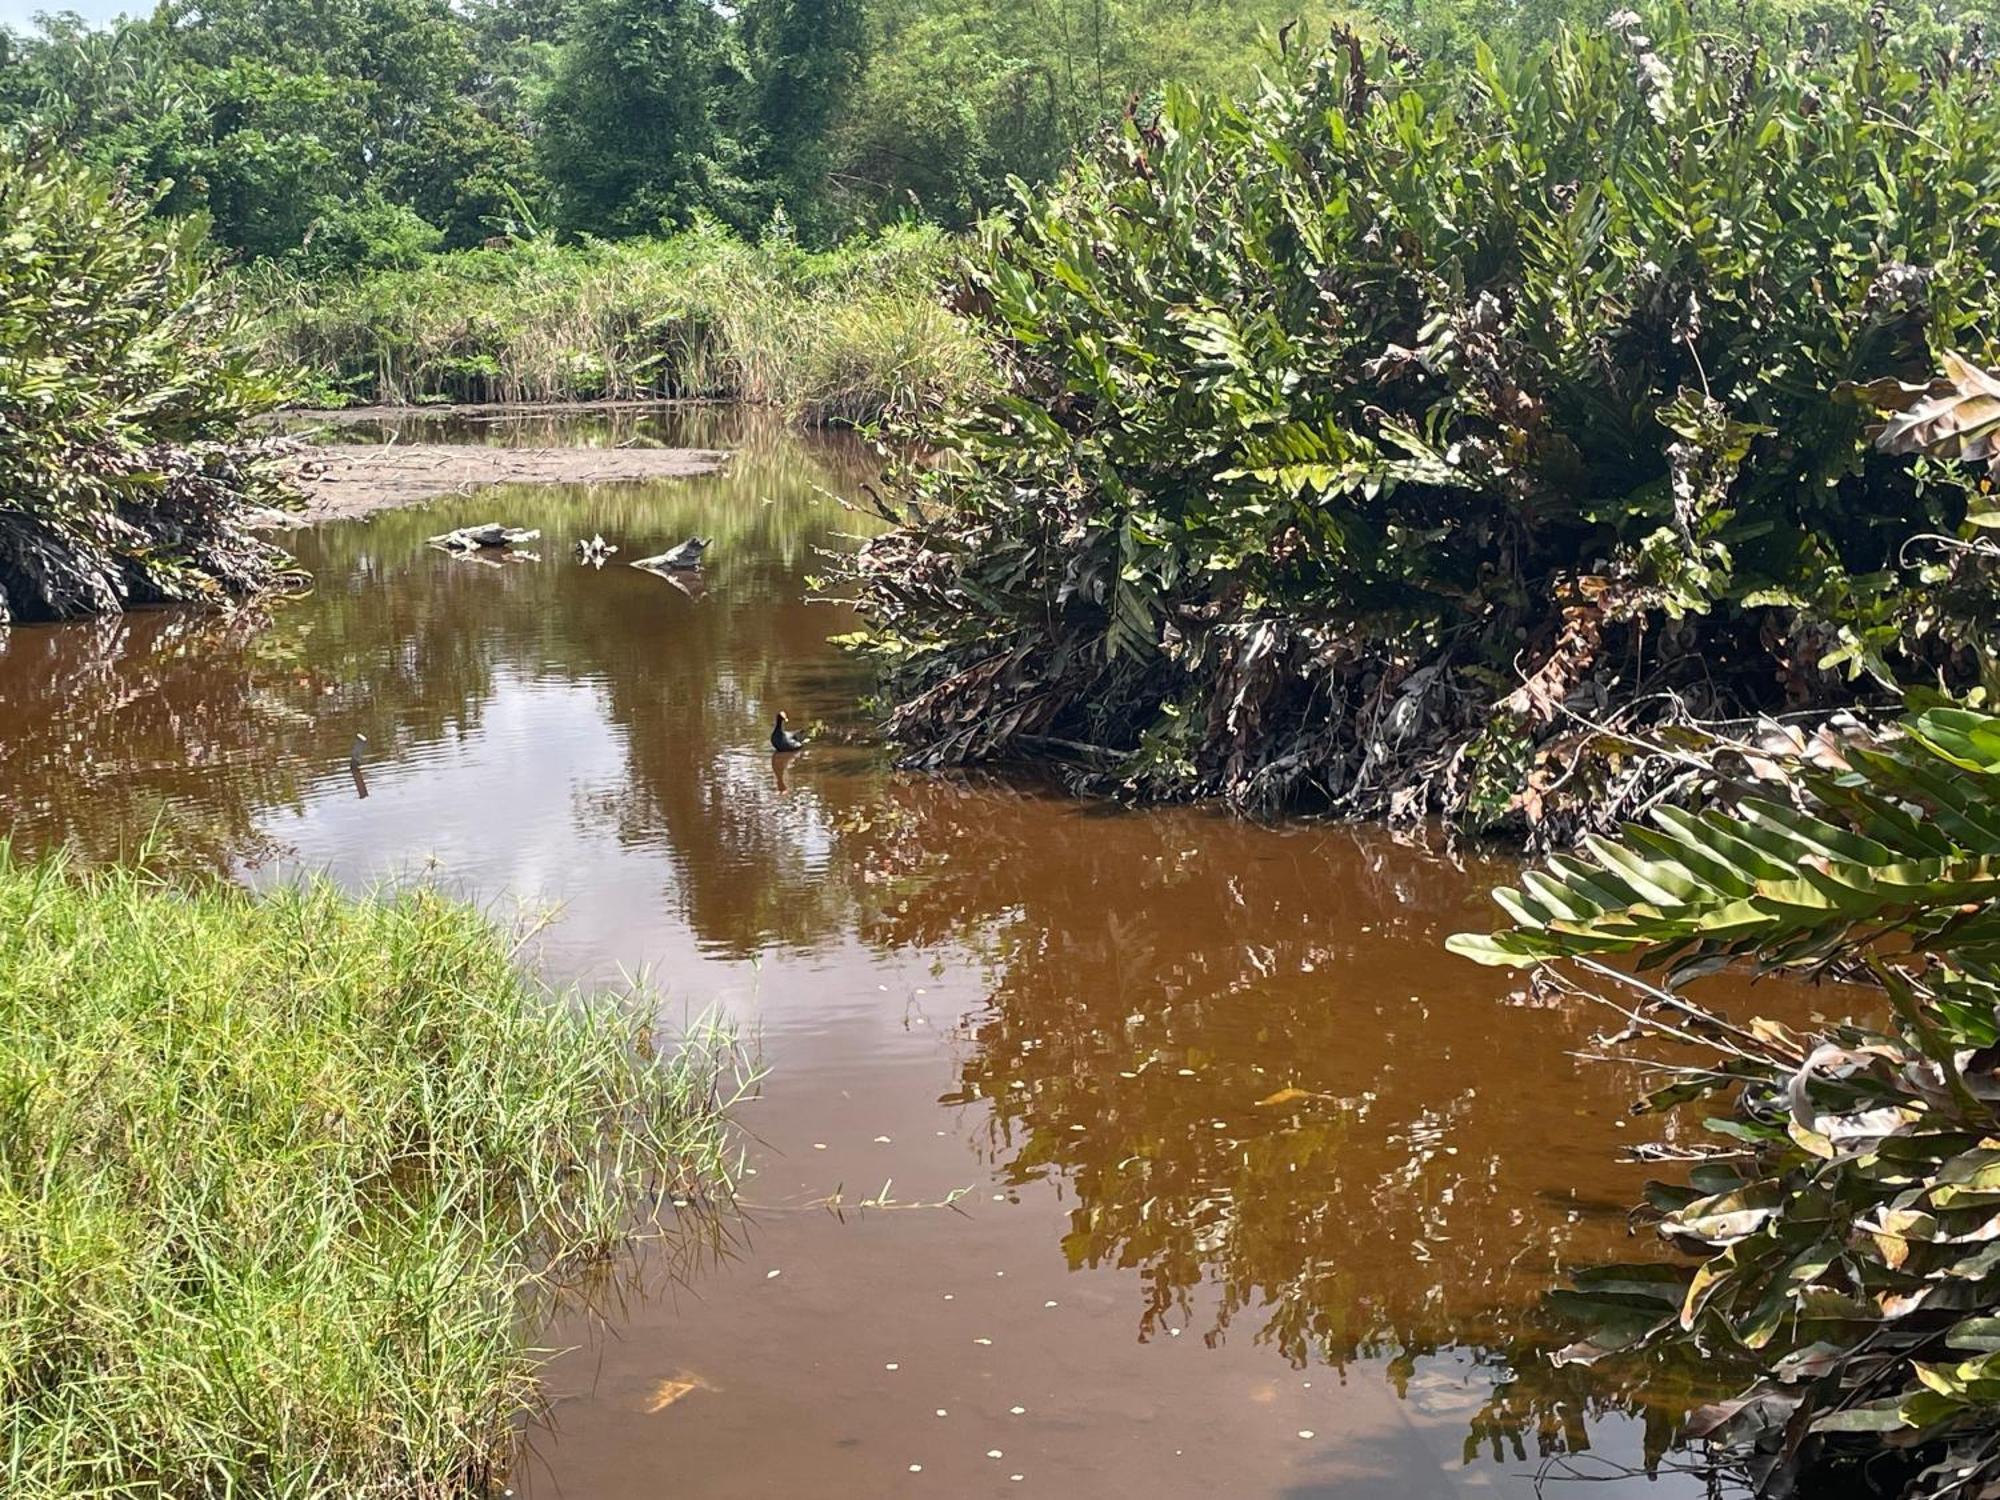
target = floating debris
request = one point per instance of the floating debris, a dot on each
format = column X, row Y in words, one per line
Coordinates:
column 595, row 551
column 672, row 1389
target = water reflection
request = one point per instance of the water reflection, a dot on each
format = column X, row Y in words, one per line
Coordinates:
column 1223, row 1077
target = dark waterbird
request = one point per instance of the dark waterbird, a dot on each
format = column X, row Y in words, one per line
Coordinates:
column 782, row 738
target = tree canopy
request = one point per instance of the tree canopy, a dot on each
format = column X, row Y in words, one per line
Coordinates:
column 364, row 133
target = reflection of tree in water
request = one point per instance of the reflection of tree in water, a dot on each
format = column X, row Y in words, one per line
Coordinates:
column 106, row 720
column 224, row 721
column 1210, row 1034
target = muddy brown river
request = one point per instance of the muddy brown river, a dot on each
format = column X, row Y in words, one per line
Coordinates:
column 1101, row 1153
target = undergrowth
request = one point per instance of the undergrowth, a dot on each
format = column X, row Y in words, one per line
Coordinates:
column 838, row 336
column 127, row 469
column 282, row 1179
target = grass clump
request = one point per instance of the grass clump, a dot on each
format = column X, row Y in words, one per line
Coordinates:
column 277, row 1174
column 839, row 336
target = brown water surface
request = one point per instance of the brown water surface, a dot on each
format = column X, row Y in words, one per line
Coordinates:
column 1102, row 1153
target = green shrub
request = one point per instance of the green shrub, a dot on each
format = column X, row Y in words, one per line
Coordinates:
column 1841, row 1217
column 282, row 1180
column 843, row 335
column 1353, row 435
column 125, row 396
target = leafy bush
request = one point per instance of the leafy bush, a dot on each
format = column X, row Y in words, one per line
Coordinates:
column 125, row 474
column 1844, row 1217
column 841, row 335
column 1354, row 437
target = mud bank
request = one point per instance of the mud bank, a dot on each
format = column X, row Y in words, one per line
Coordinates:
column 344, row 483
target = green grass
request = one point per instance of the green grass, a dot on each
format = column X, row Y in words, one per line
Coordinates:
column 842, row 336
column 285, row 1179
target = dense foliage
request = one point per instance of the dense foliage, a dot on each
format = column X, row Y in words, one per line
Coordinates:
column 843, row 335
column 279, row 1175
column 1841, row 1214
column 1367, row 441
column 125, row 477
column 369, row 132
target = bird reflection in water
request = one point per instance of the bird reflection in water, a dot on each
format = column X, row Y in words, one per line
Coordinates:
column 779, row 760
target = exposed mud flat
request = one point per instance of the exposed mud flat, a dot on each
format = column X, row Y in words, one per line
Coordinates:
column 342, row 483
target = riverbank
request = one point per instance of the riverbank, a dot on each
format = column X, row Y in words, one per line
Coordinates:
column 277, row 1174
column 349, row 481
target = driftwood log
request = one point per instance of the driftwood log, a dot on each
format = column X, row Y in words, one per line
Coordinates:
column 486, row 534
column 685, row 557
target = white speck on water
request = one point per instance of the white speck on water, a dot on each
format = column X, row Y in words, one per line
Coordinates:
column 881, row 1140
column 819, row 1145
column 1309, row 1385
column 942, row 1412
column 999, row 1273
column 1305, row 1432
column 883, row 988
column 1173, row 1333
column 1187, row 1072
column 1017, row 1410
column 890, row 1367
column 916, row 1468
column 1017, row 1478
column 947, row 1296
column 922, row 991
column 773, row 1274
column 999, row 1197
column 982, row 1341
column 1048, row 1304
column 994, row 1453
